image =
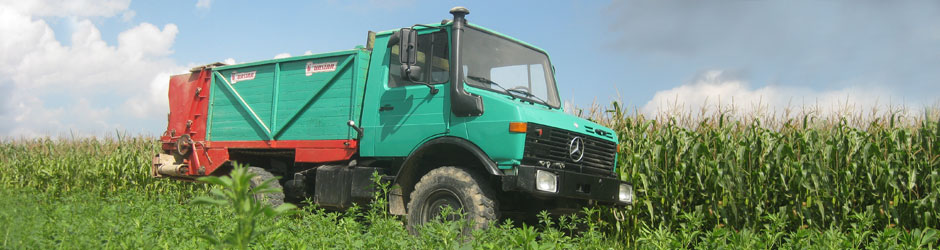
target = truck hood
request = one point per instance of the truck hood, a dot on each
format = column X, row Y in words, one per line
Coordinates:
column 558, row 119
column 544, row 115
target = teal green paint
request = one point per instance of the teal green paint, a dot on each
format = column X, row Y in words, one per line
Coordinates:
column 360, row 87
column 352, row 88
column 340, row 68
column 296, row 105
column 230, row 121
column 417, row 116
column 210, row 109
column 277, row 83
column 245, row 106
column 490, row 131
column 316, row 107
column 296, row 58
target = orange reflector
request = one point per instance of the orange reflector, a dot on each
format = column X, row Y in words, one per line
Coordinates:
column 517, row 127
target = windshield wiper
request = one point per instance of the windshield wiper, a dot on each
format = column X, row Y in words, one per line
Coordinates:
column 527, row 94
column 488, row 81
column 509, row 91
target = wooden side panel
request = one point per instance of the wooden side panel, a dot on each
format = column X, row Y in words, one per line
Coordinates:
column 315, row 107
column 298, row 98
column 232, row 121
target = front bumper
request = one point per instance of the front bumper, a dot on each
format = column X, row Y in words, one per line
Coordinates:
column 573, row 185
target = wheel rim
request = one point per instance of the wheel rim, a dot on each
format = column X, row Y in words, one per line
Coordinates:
column 438, row 201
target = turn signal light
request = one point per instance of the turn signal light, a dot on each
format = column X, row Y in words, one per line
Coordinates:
column 518, row 127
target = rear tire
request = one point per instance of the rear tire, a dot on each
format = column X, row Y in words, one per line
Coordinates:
column 456, row 188
column 274, row 199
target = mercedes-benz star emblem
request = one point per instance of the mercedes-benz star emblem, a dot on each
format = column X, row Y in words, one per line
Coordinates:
column 576, row 149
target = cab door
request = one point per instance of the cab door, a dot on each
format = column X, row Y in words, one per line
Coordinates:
column 408, row 113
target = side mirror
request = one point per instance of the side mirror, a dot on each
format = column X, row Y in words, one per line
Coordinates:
column 407, row 40
column 408, row 47
column 411, row 73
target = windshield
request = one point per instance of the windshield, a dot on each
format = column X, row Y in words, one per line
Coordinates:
column 510, row 64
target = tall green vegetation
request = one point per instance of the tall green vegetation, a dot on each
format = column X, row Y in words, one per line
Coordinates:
column 236, row 192
column 800, row 172
column 85, row 164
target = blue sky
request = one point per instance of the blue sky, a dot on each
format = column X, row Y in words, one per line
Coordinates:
column 91, row 67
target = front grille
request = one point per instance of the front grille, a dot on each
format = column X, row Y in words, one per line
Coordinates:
column 544, row 144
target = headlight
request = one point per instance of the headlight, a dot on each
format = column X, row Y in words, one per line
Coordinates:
column 546, row 181
column 626, row 193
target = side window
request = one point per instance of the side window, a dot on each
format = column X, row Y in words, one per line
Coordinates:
column 440, row 67
column 433, row 46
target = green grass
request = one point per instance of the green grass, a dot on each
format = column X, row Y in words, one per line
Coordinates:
column 125, row 219
column 714, row 182
column 83, row 220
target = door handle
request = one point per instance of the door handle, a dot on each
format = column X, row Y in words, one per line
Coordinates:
column 386, row 107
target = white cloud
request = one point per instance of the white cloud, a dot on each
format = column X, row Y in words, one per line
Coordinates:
column 229, row 61
column 67, row 8
column 718, row 91
column 147, row 40
column 89, row 87
column 80, row 118
column 307, row 53
column 129, row 15
column 153, row 100
column 282, row 55
column 876, row 43
column 203, row 4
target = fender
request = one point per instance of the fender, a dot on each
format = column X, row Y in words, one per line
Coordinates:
column 478, row 153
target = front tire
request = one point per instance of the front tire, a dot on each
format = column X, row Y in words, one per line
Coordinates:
column 275, row 198
column 456, row 188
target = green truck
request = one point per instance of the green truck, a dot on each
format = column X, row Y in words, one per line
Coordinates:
column 449, row 114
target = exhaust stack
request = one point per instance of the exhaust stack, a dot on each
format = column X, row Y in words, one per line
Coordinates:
column 462, row 103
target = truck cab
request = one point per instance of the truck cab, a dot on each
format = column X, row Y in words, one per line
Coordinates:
column 451, row 114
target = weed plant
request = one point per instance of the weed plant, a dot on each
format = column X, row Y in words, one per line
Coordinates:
column 235, row 192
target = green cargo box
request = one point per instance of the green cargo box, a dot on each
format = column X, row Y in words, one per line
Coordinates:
column 309, row 97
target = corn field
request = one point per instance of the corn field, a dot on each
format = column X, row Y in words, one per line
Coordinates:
column 802, row 171
column 87, row 164
column 708, row 181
